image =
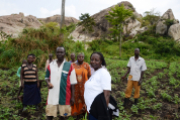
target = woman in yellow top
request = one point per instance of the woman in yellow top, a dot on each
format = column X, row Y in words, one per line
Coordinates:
column 83, row 73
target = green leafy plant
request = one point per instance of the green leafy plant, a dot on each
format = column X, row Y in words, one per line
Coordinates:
column 157, row 106
column 134, row 109
column 117, row 17
column 166, row 96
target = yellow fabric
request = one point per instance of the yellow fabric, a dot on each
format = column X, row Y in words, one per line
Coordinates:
column 64, row 110
column 130, row 86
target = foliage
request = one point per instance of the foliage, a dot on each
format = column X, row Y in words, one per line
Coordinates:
column 117, row 17
column 41, row 42
column 151, row 16
column 87, row 23
column 169, row 22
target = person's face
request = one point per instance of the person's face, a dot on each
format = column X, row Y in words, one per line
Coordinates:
column 136, row 53
column 80, row 58
column 30, row 59
column 50, row 56
column 95, row 61
column 60, row 53
column 72, row 57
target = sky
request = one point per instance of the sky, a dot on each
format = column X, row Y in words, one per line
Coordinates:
column 74, row 8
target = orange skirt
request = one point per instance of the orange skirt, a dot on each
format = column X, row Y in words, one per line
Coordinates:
column 77, row 110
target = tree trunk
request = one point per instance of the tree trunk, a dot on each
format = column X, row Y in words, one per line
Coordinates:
column 85, row 40
column 120, row 38
column 62, row 14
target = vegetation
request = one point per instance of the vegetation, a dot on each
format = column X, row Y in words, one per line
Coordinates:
column 87, row 23
column 151, row 16
column 117, row 17
column 159, row 90
column 41, row 42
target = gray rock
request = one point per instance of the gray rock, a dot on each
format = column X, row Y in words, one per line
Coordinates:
column 174, row 32
column 161, row 28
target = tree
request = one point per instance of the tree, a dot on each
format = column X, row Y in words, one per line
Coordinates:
column 117, row 17
column 87, row 24
column 62, row 14
column 151, row 16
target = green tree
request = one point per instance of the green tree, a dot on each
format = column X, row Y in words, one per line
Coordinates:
column 117, row 17
column 87, row 24
column 151, row 16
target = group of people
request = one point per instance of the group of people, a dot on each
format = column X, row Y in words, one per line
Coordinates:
column 77, row 88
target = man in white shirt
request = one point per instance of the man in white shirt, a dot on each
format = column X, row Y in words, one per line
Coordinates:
column 136, row 67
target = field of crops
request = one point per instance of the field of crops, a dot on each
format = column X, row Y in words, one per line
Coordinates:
column 158, row 101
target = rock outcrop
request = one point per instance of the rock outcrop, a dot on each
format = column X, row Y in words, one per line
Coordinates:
column 174, row 32
column 102, row 26
column 15, row 23
column 161, row 27
column 57, row 18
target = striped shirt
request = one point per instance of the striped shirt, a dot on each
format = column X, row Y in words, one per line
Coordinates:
column 29, row 74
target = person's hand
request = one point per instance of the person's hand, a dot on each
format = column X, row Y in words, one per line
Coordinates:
column 123, row 78
column 22, row 85
column 72, row 101
column 38, row 84
column 139, row 83
column 50, row 86
column 84, row 108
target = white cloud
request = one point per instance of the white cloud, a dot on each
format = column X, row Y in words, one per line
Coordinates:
column 12, row 8
column 69, row 11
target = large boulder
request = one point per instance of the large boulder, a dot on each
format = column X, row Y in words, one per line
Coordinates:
column 174, row 32
column 168, row 15
column 161, row 27
column 15, row 23
column 101, row 29
column 57, row 18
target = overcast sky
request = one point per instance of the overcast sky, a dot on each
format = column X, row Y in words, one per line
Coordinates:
column 74, row 8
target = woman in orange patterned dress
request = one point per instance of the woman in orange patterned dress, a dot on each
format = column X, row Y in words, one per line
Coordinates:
column 83, row 72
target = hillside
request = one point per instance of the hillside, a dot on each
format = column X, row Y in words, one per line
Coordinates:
column 14, row 24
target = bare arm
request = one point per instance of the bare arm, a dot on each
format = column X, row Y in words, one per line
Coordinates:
column 22, row 77
column 72, row 95
column 140, row 81
column 37, row 77
column 128, row 71
column 107, row 96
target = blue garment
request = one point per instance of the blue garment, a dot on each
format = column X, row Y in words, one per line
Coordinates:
column 91, row 117
column 31, row 94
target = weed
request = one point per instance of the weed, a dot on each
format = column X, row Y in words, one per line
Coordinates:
column 134, row 109
column 166, row 96
column 176, row 99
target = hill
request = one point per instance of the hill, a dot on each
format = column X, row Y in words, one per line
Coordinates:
column 14, row 24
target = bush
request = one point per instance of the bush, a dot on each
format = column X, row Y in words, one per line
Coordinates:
column 40, row 42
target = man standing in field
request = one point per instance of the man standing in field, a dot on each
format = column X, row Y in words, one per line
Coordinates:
column 61, row 78
column 136, row 67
